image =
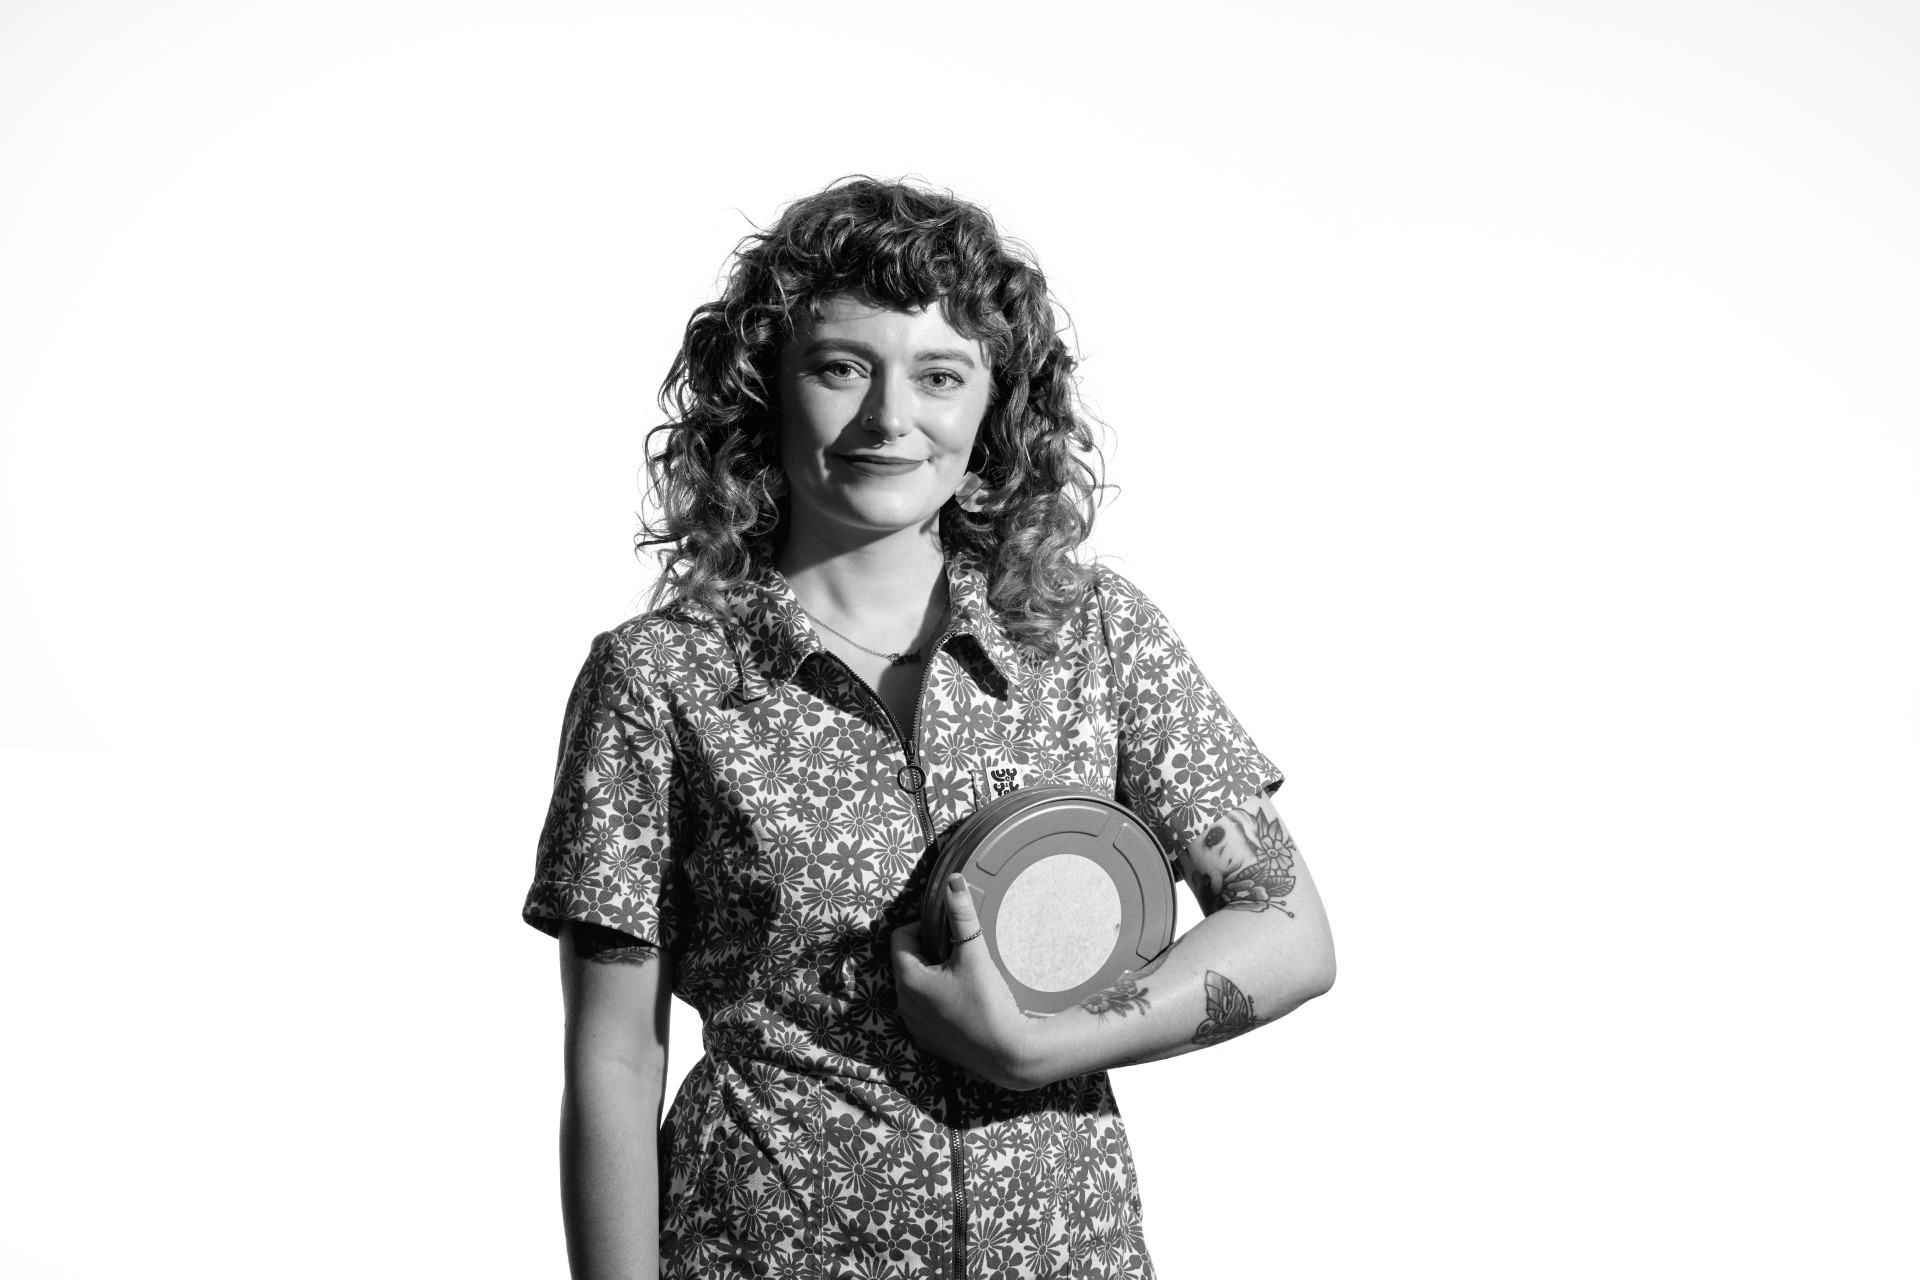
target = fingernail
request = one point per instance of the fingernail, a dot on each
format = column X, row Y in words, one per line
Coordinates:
column 955, row 882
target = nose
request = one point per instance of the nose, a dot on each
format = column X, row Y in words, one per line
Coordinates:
column 888, row 410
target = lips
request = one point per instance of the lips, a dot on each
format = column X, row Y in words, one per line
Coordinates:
column 878, row 464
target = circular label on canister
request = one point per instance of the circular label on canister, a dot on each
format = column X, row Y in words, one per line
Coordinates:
column 1058, row 922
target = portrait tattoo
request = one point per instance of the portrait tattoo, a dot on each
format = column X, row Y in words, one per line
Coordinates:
column 1229, row 1011
column 597, row 944
column 1123, row 997
column 1267, row 879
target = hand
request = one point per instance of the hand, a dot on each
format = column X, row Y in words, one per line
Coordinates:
column 963, row 1010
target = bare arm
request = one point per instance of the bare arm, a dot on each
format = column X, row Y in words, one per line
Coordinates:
column 616, row 993
column 1264, row 950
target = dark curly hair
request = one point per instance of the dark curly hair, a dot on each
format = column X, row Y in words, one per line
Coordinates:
column 715, row 465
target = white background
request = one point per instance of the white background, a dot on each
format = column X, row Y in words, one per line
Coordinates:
column 1515, row 407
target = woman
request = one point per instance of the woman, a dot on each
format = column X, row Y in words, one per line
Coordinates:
column 870, row 620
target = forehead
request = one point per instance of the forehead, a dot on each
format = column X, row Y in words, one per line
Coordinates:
column 855, row 317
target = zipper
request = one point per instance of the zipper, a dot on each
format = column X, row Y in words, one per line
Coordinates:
column 908, row 742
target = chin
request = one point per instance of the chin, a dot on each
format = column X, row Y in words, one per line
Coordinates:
column 893, row 521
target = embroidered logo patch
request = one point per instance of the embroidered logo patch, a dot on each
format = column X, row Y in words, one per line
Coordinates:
column 993, row 779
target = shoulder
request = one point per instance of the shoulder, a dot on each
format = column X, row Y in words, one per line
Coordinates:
column 1124, row 611
column 1112, row 621
column 667, row 654
column 1112, row 589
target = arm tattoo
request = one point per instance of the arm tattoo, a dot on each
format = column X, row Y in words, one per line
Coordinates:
column 1229, row 1012
column 1267, row 879
column 1123, row 997
column 597, row 944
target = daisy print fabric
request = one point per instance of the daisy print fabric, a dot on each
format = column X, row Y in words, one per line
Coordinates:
column 728, row 790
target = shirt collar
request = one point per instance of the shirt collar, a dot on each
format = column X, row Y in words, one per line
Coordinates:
column 772, row 636
column 973, row 617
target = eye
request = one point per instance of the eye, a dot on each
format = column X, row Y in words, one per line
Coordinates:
column 840, row 370
column 945, row 379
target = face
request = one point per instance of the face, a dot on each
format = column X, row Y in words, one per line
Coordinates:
column 879, row 410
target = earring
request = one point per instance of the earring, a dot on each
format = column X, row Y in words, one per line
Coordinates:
column 972, row 494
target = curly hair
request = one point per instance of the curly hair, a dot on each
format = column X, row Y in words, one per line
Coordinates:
column 715, row 469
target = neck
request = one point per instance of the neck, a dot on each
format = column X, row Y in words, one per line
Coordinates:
column 894, row 584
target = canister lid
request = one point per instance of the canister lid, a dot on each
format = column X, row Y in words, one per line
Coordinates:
column 1072, row 892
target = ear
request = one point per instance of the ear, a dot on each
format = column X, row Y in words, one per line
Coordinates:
column 972, row 493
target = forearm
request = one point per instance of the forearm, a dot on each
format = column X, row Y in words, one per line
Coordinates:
column 1232, row 972
column 1264, row 950
column 610, row 1170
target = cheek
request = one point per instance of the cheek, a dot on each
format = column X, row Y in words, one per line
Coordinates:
column 968, row 426
column 805, row 427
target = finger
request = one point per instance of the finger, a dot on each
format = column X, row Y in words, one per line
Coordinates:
column 962, row 919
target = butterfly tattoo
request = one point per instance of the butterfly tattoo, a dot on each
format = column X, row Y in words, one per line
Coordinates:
column 1229, row 1011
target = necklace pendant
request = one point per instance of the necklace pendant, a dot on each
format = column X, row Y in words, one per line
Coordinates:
column 893, row 659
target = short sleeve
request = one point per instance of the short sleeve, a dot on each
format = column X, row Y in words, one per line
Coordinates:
column 606, row 853
column 1183, row 758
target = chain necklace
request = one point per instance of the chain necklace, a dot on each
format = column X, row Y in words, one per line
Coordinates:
column 893, row 659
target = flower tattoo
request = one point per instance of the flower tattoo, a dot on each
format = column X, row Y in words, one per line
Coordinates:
column 1123, row 997
column 1267, row 879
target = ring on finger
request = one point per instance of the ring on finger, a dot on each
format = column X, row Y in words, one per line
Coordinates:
column 970, row 937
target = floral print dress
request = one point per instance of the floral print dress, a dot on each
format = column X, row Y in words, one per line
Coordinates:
column 735, row 794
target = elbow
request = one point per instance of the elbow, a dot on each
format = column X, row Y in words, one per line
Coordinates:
column 1310, row 967
column 601, row 1068
column 1319, row 975
column 1320, row 979
column 599, row 1094
column 619, row 1064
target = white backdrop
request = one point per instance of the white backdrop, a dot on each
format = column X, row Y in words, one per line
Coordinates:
column 1514, row 407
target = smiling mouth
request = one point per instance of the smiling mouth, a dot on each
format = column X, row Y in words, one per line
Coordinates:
column 878, row 465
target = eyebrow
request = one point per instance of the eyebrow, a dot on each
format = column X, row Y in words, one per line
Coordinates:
column 866, row 352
